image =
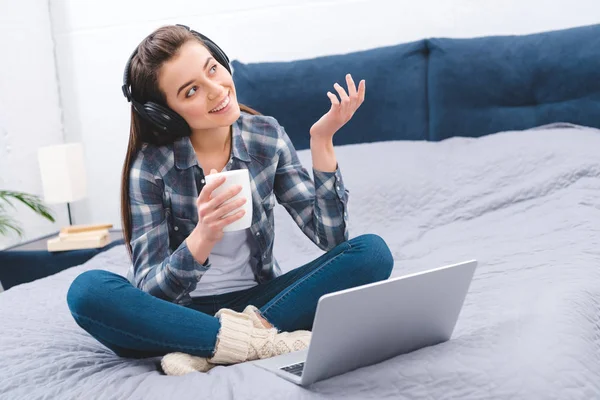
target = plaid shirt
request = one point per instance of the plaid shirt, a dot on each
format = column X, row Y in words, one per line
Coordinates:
column 165, row 182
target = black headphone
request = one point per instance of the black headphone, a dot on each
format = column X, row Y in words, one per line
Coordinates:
column 169, row 125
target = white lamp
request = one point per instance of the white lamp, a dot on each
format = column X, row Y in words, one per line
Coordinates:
column 63, row 174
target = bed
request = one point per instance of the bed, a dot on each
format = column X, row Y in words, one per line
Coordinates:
column 492, row 156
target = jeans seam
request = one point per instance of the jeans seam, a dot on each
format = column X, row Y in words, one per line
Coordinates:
column 139, row 337
column 292, row 288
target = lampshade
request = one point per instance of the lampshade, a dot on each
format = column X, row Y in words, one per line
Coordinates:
column 63, row 172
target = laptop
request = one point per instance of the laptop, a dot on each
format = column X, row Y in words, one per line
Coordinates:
column 365, row 325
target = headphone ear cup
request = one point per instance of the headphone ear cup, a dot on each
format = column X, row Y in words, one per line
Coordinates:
column 166, row 120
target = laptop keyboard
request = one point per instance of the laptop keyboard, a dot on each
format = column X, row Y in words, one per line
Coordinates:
column 295, row 369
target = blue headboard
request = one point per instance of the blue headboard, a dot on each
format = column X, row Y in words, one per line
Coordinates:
column 295, row 93
column 486, row 85
column 437, row 88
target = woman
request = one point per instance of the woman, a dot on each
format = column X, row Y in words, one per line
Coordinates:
column 195, row 295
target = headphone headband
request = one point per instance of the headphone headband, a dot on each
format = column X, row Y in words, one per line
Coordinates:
column 169, row 124
column 125, row 87
column 216, row 51
column 212, row 46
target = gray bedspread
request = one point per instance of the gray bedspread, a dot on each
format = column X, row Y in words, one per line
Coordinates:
column 525, row 204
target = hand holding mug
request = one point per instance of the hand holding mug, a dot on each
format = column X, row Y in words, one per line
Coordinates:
column 219, row 205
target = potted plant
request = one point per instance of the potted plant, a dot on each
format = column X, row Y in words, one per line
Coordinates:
column 7, row 223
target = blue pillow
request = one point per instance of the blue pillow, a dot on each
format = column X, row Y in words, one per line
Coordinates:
column 295, row 93
column 492, row 84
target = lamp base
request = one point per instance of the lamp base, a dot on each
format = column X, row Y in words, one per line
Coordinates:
column 69, row 210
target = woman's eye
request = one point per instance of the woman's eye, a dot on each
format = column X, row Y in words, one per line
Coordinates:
column 191, row 91
column 213, row 69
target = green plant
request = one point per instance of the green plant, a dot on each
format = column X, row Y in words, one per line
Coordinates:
column 7, row 223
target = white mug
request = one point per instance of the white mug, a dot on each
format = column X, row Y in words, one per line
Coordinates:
column 232, row 178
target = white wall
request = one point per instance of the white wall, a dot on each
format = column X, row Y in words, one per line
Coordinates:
column 94, row 38
column 29, row 106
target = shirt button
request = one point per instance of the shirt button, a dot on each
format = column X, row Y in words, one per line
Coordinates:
column 257, row 233
column 264, row 256
column 176, row 228
column 202, row 181
column 338, row 188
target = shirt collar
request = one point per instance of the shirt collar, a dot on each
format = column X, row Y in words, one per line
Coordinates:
column 240, row 151
column 185, row 156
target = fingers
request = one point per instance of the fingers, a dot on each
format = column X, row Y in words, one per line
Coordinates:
column 230, row 219
column 225, row 209
column 212, row 209
column 351, row 87
column 217, row 224
column 353, row 99
column 335, row 103
column 362, row 88
column 208, row 189
column 345, row 100
column 223, row 197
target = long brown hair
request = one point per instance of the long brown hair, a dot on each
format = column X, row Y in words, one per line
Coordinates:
column 156, row 49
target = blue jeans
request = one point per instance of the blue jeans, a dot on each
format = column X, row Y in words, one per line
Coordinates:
column 133, row 323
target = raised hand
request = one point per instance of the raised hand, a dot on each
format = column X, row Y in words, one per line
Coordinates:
column 341, row 110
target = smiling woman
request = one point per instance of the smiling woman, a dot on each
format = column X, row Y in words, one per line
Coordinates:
column 206, row 99
column 195, row 294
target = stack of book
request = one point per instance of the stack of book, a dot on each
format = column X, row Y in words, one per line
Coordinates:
column 77, row 237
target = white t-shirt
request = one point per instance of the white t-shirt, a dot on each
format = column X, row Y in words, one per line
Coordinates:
column 230, row 266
